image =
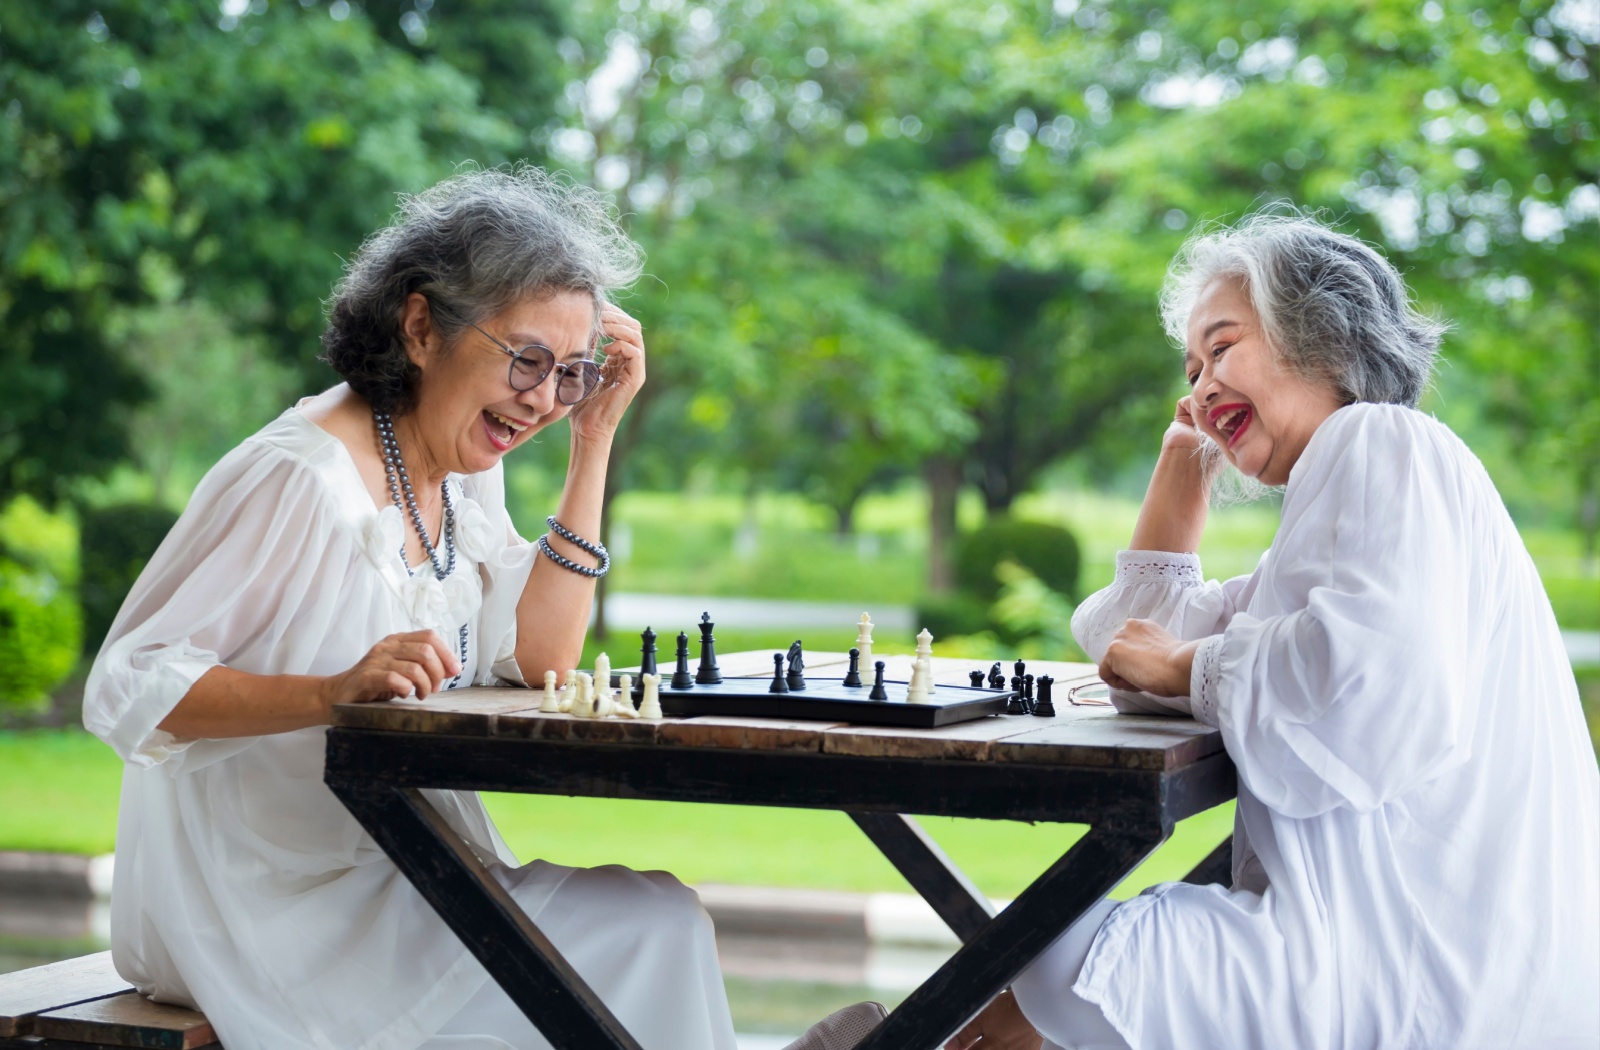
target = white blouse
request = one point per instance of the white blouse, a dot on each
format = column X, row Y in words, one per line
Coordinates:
column 1417, row 845
column 242, row 883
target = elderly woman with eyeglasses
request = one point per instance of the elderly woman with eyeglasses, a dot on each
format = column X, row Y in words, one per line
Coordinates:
column 1416, row 852
column 358, row 548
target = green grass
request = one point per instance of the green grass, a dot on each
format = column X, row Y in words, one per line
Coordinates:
column 58, row 792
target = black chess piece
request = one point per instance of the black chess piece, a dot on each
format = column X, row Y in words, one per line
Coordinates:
column 1043, row 706
column 1019, row 668
column 878, row 691
column 996, row 679
column 797, row 668
column 681, row 678
column 709, row 673
column 852, row 677
column 1014, row 702
column 1027, row 693
column 977, row 679
column 647, row 662
column 778, row 684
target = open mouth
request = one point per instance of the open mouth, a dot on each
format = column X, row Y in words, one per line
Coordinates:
column 502, row 431
column 1231, row 421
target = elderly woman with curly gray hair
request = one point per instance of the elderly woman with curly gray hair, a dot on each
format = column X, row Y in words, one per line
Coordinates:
column 1416, row 849
column 358, row 548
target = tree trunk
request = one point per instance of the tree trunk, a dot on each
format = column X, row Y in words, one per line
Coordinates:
column 845, row 522
column 943, row 476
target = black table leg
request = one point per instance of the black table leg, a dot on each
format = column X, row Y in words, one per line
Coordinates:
column 924, row 865
column 1008, row 943
column 488, row 921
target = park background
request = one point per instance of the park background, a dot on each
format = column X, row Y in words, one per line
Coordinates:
column 899, row 304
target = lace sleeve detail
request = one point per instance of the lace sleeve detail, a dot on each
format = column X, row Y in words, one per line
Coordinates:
column 1158, row 567
column 1204, row 678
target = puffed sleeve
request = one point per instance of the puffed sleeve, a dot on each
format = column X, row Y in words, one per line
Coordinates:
column 506, row 559
column 1164, row 587
column 238, row 581
column 1361, row 692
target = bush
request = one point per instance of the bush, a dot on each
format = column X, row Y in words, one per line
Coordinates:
column 949, row 615
column 115, row 543
column 40, row 633
column 1049, row 552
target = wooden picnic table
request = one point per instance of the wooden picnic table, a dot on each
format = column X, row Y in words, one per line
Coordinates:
column 1131, row 778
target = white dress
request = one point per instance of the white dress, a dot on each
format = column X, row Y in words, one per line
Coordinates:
column 243, row 886
column 1417, row 846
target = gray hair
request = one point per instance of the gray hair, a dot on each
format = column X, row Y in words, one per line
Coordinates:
column 1331, row 308
column 474, row 244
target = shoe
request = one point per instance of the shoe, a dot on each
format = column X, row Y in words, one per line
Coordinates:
column 842, row 1029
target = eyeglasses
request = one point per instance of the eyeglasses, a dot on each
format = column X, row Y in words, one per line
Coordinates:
column 533, row 364
column 1090, row 693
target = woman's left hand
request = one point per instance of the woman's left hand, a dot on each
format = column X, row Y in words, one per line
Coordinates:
column 1145, row 658
column 621, row 377
column 1000, row 1026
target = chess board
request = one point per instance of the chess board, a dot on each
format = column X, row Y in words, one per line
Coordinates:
column 830, row 701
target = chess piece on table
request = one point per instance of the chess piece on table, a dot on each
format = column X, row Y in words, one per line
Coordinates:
column 650, row 688
column 852, row 677
column 864, row 638
column 1027, row 693
column 976, row 677
column 569, row 692
column 623, row 700
column 583, row 704
column 997, row 680
column 878, row 691
column 647, row 656
column 917, row 688
column 1014, row 705
column 1043, row 707
column 797, row 668
column 779, row 684
column 1019, row 669
column 551, row 702
column 602, row 685
column 709, row 673
column 924, row 656
column 681, row 678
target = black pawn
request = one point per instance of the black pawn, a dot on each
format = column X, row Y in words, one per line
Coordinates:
column 647, row 661
column 709, row 673
column 797, row 668
column 852, row 677
column 778, row 684
column 681, row 678
column 878, row 691
column 976, row 678
column 1019, row 668
column 1043, row 707
column 1014, row 704
column 996, row 679
column 1027, row 693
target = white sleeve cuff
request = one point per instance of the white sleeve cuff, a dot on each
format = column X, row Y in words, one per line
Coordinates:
column 1204, row 678
column 1158, row 567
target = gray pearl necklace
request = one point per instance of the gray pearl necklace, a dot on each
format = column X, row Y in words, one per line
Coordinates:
column 405, row 500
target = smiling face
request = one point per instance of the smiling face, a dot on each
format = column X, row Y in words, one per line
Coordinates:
column 1261, row 413
column 467, row 414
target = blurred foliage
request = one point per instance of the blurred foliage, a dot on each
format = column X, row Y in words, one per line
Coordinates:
column 40, row 627
column 116, row 542
column 1048, row 552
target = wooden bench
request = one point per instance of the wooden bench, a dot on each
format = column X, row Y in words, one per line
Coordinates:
column 82, row 1004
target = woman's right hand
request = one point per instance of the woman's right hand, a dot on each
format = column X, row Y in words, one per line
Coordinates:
column 1183, row 433
column 416, row 662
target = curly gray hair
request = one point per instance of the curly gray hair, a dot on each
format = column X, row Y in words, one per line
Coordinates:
column 1331, row 308
column 474, row 244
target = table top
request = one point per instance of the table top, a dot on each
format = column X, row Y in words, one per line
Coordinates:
column 1075, row 736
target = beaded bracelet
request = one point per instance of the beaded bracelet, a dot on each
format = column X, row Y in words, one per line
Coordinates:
column 573, row 538
column 572, row 566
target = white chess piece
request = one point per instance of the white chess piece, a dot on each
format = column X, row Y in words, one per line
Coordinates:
column 925, row 659
column 602, row 685
column 583, row 706
column 864, row 639
column 650, row 703
column 625, row 698
column 569, row 692
column 551, row 703
column 917, row 688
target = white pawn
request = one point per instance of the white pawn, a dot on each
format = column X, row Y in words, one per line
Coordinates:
column 925, row 659
column 551, row 703
column 625, row 698
column 583, row 706
column 864, row 639
column 917, row 688
column 650, row 703
column 569, row 692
